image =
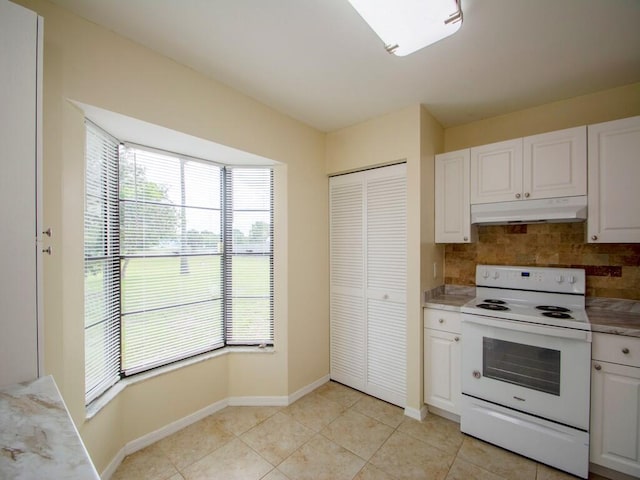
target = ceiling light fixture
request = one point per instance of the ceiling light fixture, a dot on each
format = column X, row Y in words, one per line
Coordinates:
column 409, row 25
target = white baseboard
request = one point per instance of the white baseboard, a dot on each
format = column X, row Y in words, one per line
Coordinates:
column 443, row 413
column 416, row 414
column 173, row 427
column 609, row 473
column 108, row 472
column 281, row 401
column 150, row 438
column 308, row 389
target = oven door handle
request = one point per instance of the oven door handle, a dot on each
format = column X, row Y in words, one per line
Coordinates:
column 528, row 328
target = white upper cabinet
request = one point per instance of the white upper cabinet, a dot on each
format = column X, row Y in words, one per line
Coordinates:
column 453, row 218
column 496, row 172
column 614, row 173
column 555, row 164
column 548, row 165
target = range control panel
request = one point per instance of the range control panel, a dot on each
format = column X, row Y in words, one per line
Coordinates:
column 544, row 279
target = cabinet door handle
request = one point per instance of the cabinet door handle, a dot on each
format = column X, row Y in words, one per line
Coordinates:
column 441, row 320
column 456, row 339
column 526, row 195
column 594, row 237
column 517, row 195
column 466, row 239
column 597, row 366
column 625, row 350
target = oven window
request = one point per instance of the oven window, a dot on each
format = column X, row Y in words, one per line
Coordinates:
column 532, row 367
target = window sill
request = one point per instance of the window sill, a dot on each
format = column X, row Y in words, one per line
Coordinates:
column 103, row 400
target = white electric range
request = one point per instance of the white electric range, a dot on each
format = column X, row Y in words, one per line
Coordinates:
column 526, row 364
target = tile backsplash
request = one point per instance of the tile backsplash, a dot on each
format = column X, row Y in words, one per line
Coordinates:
column 613, row 269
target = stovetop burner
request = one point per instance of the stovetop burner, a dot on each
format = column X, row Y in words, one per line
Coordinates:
column 553, row 308
column 493, row 306
column 561, row 315
column 539, row 295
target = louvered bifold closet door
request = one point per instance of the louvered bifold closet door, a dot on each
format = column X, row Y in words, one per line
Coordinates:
column 386, row 273
column 368, row 281
column 347, row 311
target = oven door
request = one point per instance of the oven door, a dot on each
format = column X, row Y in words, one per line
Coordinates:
column 536, row 369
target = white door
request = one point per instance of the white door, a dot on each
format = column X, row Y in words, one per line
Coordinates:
column 386, row 282
column 496, row 172
column 555, row 164
column 453, row 211
column 615, row 417
column 442, row 370
column 368, row 281
column 347, row 299
column 19, row 151
column 614, row 171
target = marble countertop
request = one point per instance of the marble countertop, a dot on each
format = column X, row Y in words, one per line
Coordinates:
column 614, row 321
column 449, row 297
column 37, row 436
column 613, row 316
column 448, row 302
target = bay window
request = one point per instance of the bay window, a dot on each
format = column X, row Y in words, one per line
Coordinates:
column 178, row 258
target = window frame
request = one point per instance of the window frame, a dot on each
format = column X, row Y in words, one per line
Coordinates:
column 226, row 257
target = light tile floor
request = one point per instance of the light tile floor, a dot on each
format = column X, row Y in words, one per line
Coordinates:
column 333, row 433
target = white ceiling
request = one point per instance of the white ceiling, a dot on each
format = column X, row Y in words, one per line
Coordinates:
column 317, row 61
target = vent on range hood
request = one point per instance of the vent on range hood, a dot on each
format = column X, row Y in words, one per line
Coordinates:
column 549, row 210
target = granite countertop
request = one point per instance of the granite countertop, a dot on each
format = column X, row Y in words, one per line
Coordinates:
column 606, row 315
column 449, row 297
column 617, row 317
column 37, row 436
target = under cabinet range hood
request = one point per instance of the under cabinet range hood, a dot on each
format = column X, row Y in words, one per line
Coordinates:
column 546, row 210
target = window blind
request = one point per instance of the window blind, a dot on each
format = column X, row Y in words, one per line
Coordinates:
column 101, row 263
column 178, row 258
column 171, row 258
column 248, row 266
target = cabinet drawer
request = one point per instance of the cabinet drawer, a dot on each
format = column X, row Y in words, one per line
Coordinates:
column 612, row 348
column 442, row 320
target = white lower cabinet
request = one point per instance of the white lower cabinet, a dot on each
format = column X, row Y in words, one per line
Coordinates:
column 442, row 354
column 615, row 403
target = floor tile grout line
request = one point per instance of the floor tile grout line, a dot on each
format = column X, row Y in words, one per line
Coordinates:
column 344, row 409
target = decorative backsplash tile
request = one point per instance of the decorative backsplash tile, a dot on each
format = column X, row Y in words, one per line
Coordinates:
column 612, row 269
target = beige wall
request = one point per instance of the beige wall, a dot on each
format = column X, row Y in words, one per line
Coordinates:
column 410, row 135
column 431, row 143
column 594, row 108
column 89, row 64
